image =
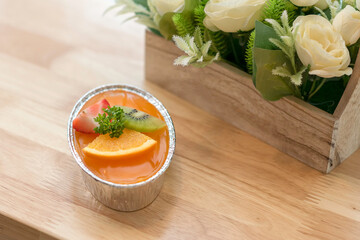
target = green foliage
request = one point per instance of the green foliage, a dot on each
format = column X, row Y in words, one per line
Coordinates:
column 179, row 23
column 220, row 42
column 203, row 2
column 296, row 78
column 335, row 7
column 271, row 87
column 199, row 13
column 287, row 44
column 199, row 16
column 190, row 5
column 249, row 52
column 166, row 26
column 322, row 13
column 197, row 51
column 144, row 3
column 262, row 35
column 111, row 122
column 354, row 50
column 267, row 58
column 139, row 9
column 329, row 94
column 193, row 16
column 274, row 9
column 183, row 25
column 350, row 2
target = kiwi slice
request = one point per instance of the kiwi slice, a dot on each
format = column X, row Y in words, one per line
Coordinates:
column 141, row 121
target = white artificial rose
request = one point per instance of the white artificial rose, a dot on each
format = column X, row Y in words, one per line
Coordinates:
column 347, row 23
column 232, row 15
column 320, row 46
column 322, row 4
column 165, row 6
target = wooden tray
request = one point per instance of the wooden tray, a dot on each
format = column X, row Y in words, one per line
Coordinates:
column 313, row 136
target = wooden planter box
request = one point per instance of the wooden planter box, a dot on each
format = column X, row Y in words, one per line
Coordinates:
column 313, row 136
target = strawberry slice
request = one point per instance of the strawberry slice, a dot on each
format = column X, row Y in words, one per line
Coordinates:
column 85, row 122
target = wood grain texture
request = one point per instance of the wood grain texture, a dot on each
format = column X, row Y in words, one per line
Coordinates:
column 222, row 184
column 347, row 137
column 295, row 127
column 13, row 230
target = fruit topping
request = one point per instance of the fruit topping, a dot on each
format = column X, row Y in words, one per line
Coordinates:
column 141, row 121
column 85, row 121
column 130, row 143
column 103, row 119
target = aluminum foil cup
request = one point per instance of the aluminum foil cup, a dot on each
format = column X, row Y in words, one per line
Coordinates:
column 123, row 197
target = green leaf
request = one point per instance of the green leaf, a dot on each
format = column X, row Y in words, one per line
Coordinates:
column 145, row 20
column 184, row 26
column 184, row 22
column 155, row 31
column 274, row 8
column 198, row 37
column 262, row 35
column 249, row 52
column 271, row 87
column 183, row 60
column 143, row 3
column 197, row 53
column 166, row 26
column 205, row 48
column 354, row 50
column 329, row 95
column 190, row 5
column 183, row 45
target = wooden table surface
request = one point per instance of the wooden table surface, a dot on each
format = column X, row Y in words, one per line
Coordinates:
column 222, row 184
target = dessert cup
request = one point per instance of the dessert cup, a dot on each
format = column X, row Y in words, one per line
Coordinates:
column 123, row 197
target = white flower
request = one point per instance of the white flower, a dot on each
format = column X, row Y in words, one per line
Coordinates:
column 165, row 6
column 306, row 3
column 320, row 46
column 232, row 15
column 347, row 23
column 358, row 4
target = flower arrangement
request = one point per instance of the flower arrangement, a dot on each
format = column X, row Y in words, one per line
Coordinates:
column 305, row 48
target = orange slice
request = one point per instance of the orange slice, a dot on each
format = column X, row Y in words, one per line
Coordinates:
column 130, row 143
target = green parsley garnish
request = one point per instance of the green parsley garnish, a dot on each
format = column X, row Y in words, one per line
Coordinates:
column 111, row 122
